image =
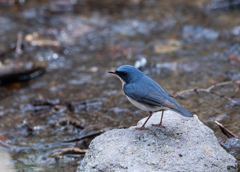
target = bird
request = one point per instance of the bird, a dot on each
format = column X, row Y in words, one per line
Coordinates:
column 146, row 94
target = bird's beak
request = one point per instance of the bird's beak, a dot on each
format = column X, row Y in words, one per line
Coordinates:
column 112, row 72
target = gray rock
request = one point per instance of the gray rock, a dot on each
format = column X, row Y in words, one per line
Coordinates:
column 6, row 161
column 186, row 144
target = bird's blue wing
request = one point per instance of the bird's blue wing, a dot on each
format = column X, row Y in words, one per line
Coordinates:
column 149, row 92
column 168, row 93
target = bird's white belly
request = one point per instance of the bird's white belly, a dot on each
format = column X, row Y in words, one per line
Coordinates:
column 146, row 107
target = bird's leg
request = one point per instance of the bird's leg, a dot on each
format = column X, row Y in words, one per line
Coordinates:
column 160, row 124
column 143, row 126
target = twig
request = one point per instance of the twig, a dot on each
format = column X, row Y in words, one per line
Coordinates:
column 226, row 131
column 19, row 43
column 70, row 151
column 3, row 143
column 210, row 90
column 90, row 135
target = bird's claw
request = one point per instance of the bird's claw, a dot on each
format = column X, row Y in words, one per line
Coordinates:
column 142, row 128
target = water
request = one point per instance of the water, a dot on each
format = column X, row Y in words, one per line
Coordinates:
column 181, row 45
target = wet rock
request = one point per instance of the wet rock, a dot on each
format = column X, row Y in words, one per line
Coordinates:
column 81, row 79
column 53, row 59
column 63, row 121
column 236, row 101
column 232, row 143
column 236, row 31
column 93, row 105
column 5, row 25
column 134, row 27
column 119, row 111
column 174, row 66
column 224, row 5
column 88, row 105
column 197, row 34
column 105, row 5
column 94, row 69
column 60, row 6
column 6, row 2
column 184, row 145
column 232, row 74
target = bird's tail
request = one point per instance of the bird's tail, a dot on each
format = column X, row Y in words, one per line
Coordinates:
column 183, row 112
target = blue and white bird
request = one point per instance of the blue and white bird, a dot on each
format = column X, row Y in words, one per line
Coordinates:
column 146, row 94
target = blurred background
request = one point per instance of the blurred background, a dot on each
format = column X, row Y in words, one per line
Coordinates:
column 55, row 91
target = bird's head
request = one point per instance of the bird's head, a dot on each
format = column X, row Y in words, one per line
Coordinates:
column 127, row 73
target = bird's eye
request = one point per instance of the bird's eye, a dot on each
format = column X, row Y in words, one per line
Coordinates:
column 124, row 73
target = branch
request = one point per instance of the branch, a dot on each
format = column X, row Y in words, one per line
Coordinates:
column 226, row 131
column 70, row 151
column 210, row 90
column 19, row 43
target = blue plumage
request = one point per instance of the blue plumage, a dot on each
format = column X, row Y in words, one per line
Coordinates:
column 146, row 94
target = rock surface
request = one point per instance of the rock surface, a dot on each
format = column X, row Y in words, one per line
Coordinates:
column 186, row 144
column 5, row 161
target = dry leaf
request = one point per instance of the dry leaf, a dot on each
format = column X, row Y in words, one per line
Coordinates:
column 3, row 138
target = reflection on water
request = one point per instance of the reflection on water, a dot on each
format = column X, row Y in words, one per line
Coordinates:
column 180, row 44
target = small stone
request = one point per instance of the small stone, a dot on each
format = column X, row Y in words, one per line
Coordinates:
column 93, row 69
column 63, row 121
column 57, row 108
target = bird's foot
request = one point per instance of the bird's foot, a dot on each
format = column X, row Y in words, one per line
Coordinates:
column 142, row 128
column 158, row 125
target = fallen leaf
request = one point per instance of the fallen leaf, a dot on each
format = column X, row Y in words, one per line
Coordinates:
column 233, row 59
column 168, row 47
column 36, row 40
column 3, row 138
column 237, row 89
